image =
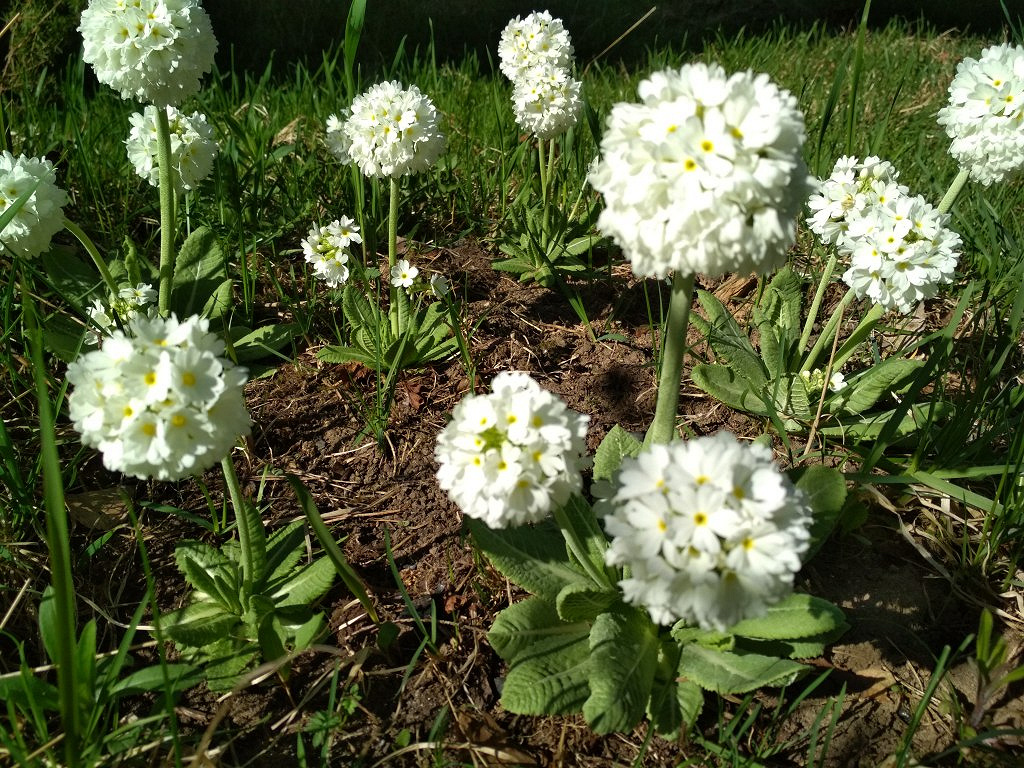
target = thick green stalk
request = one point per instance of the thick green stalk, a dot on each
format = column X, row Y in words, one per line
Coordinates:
column 819, row 294
column 399, row 312
column 864, row 327
column 826, row 333
column 163, row 154
column 954, row 189
column 57, row 540
column 663, row 428
column 243, row 514
column 93, row 251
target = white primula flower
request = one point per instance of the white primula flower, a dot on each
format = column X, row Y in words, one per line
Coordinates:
column 547, row 101
column 513, row 456
column 705, row 175
column 439, row 285
column 160, row 401
column 124, row 307
column 853, row 189
column 403, row 274
column 534, row 41
column 389, row 131
column 985, row 114
column 326, row 249
column 193, row 147
column 710, row 529
column 42, row 216
column 155, row 51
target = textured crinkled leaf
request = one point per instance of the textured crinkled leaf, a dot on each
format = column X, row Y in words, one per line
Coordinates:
column 338, row 354
column 75, row 280
column 199, row 273
column 730, row 343
column 780, row 306
column 864, row 390
column 723, row 384
column 199, row 624
column 617, row 444
column 728, row 672
column 154, row 680
column 624, row 649
column 203, row 578
column 583, row 601
column 533, row 557
column 307, row 585
column 683, row 634
column 284, row 550
column 804, row 648
column 674, row 704
column 825, row 489
column 265, row 341
column 796, row 617
column 520, row 626
column 549, row 677
column 219, row 302
column 63, row 336
column 792, row 398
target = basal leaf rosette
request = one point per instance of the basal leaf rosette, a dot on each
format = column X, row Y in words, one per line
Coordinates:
column 985, row 114
column 327, row 249
column 709, row 530
column 514, row 455
column 193, row 147
column 41, row 216
column 390, row 130
column 704, row 175
column 534, row 41
column 159, row 401
column 155, row 51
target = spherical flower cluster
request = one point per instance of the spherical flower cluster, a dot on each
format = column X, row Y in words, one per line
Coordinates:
column 711, row 530
column 42, row 215
column 534, row 41
column 155, row 51
column 547, row 103
column 124, row 307
column 513, row 456
column 390, row 130
column 159, row 401
column 193, row 147
column 985, row 115
column 327, row 250
column 899, row 247
column 705, row 175
column 403, row 274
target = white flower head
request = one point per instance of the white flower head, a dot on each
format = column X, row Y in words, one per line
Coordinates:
column 327, row 250
column 129, row 303
column 853, row 188
column 513, row 456
column 985, row 114
column 160, row 401
column 711, row 531
column 547, row 101
column 389, row 130
column 534, row 41
column 42, row 216
column 193, row 147
column 155, row 51
column 403, row 274
column 705, row 174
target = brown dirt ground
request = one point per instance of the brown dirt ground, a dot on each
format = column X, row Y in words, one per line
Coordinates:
column 308, row 421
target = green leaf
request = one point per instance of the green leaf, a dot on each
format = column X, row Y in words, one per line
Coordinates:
column 220, row 300
column 865, row 389
column 181, row 677
column 869, row 427
column 284, row 550
column 791, row 397
column 617, row 444
column 202, row 577
column 271, row 638
column 730, row 343
column 780, row 306
column 75, row 280
column 48, row 627
column 804, row 648
column 825, row 488
column 798, row 616
column 199, row 624
column 532, row 557
column 309, row 584
column 624, row 649
column 684, row 633
column 199, row 273
column 723, row 384
column 520, row 626
column 307, row 633
column 727, row 672
column 338, row 354
column 549, row 677
column 63, row 336
column 583, row 601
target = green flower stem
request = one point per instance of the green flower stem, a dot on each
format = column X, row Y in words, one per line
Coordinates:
column 243, row 515
column 57, row 541
column 819, row 294
column 954, row 189
column 578, row 549
column 827, row 331
column 399, row 312
column 663, row 428
column 163, row 154
column 864, row 327
column 93, row 251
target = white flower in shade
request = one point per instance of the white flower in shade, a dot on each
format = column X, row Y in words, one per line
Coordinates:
column 193, row 147
column 129, row 302
column 41, row 216
column 985, row 114
column 537, row 40
column 327, row 250
column 513, row 456
column 155, row 51
column 160, row 401
column 403, row 274
column 439, row 285
column 705, row 175
column 389, row 130
column 711, row 531
column 547, row 101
